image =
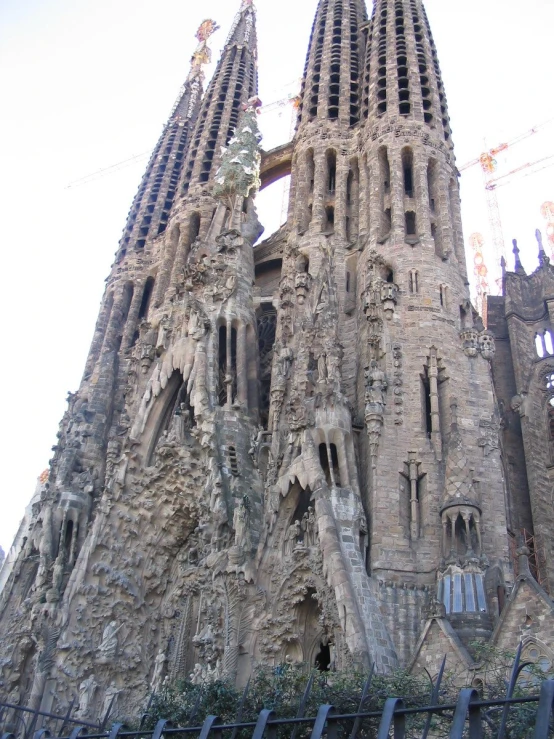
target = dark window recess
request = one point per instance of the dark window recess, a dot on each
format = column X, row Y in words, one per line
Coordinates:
column 410, row 223
column 427, row 405
column 324, row 461
column 233, row 462
column 323, row 658
column 222, row 392
column 146, row 297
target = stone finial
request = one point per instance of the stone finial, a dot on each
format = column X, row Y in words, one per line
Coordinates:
column 518, row 267
column 202, row 54
column 523, row 561
column 543, row 256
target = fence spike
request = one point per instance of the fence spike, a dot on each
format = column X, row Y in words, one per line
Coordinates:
column 160, row 728
column 365, row 691
column 8, row 735
column 40, row 733
column 325, row 712
column 104, row 722
column 516, row 670
column 238, row 718
column 76, row 731
column 390, row 719
column 265, row 716
column 303, row 703
column 435, row 697
column 207, row 726
column 67, row 718
column 196, row 705
column 465, row 705
column 544, row 711
column 114, row 731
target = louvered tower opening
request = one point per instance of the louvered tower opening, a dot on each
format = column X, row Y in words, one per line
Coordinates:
column 234, row 82
column 423, row 68
column 382, row 62
column 355, row 66
column 332, row 74
column 334, row 69
column 316, row 71
column 404, row 107
column 367, row 69
column 154, row 200
column 442, row 96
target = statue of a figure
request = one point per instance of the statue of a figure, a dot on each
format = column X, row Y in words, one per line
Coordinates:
column 241, row 524
column 57, row 573
column 375, row 392
column 87, row 689
column 157, row 675
column 333, row 368
column 284, row 363
column 197, row 676
column 294, row 532
column 108, row 645
column 213, row 673
column 110, row 702
column 308, row 527
column 322, row 368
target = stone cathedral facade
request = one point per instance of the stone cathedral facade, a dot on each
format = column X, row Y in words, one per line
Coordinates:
column 293, row 451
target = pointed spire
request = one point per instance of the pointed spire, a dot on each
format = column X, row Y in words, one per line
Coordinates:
column 402, row 75
column 153, row 202
column 188, row 102
column 334, row 65
column 543, row 256
column 235, row 81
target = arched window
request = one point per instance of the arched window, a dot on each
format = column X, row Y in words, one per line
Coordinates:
column 544, row 343
column 548, row 342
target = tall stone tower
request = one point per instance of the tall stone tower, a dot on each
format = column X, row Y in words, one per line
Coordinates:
column 280, row 452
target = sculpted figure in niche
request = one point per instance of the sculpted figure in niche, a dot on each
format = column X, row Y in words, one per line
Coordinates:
column 309, row 528
column 322, row 368
column 109, row 644
column 375, row 391
column 109, row 706
column 87, row 689
column 197, row 676
column 57, row 573
column 241, row 524
column 292, row 537
column 157, row 676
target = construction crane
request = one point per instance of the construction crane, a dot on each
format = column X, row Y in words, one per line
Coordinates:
column 481, row 272
column 489, row 166
column 547, row 212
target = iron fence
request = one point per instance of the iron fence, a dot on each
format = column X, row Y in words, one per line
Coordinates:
column 470, row 717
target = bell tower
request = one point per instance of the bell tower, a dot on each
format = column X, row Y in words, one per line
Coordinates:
column 424, row 355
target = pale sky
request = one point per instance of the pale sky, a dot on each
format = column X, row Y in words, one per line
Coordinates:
column 86, row 84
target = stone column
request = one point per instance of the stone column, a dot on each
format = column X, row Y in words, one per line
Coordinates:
column 132, row 318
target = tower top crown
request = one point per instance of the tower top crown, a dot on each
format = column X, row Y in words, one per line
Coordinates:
column 334, row 64
column 243, row 30
column 235, row 81
column 402, row 75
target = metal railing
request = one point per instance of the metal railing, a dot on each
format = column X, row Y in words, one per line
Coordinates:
column 468, row 718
